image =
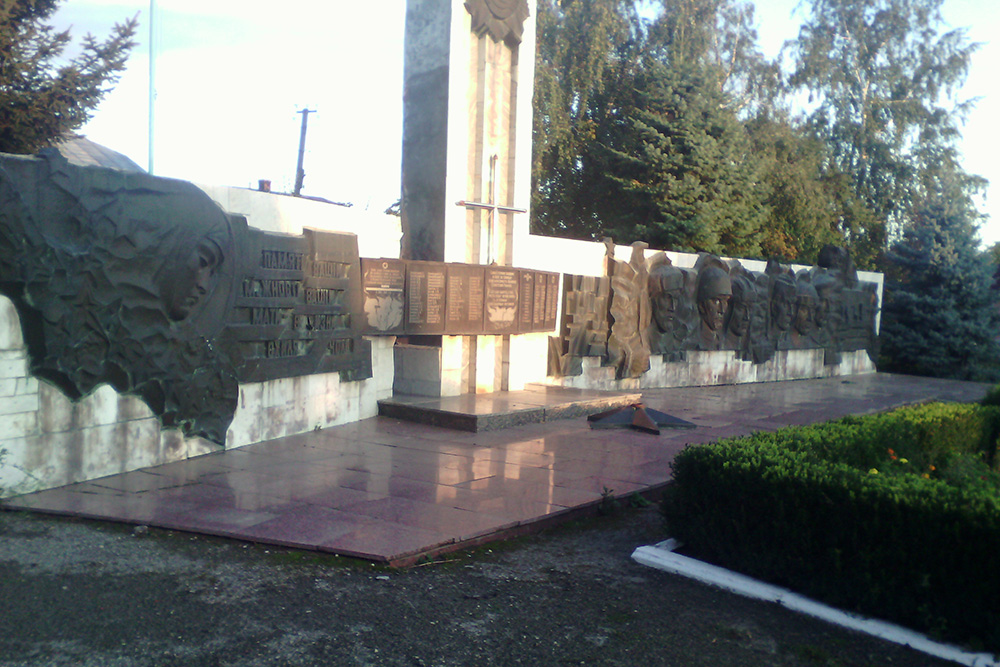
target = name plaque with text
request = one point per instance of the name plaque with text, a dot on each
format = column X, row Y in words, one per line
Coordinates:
column 465, row 293
column 501, row 302
column 425, row 297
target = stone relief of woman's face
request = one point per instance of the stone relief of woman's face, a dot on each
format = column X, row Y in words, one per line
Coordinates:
column 191, row 280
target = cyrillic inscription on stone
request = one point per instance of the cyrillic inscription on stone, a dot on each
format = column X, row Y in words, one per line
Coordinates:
column 526, row 301
column 501, row 300
column 464, row 299
column 425, row 297
column 293, row 313
column 538, row 308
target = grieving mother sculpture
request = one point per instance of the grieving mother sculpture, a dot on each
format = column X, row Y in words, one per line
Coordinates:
column 108, row 270
column 145, row 284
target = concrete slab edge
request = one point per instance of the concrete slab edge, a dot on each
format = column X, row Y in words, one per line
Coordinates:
column 662, row 557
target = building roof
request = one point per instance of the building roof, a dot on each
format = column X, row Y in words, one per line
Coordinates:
column 82, row 151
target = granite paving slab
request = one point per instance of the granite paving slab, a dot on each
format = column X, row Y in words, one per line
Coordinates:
column 394, row 491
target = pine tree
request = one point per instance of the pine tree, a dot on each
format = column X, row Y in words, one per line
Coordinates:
column 940, row 316
column 43, row 96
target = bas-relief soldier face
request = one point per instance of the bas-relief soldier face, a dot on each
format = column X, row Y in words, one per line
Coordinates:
column 665, row 297
column 190, row 281
column 713, row 311
column 783, row 306
column 805, row 308
column 740, row 314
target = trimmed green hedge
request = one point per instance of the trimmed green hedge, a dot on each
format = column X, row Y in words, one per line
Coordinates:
column 895, row 515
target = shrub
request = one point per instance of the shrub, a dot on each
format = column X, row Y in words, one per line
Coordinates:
column 876, row 514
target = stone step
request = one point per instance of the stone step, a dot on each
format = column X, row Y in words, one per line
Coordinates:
column 534, row 404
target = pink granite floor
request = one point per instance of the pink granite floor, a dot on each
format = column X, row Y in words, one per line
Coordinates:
column 391, row 491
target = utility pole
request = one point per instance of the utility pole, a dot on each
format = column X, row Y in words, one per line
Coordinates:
column 299, row 173
column 152, row 80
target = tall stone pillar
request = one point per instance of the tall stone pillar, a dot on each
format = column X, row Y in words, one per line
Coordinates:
column 468, row 75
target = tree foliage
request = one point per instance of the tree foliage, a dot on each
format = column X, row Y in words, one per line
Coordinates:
column 940, row 315
column 685, row 174
column 882, row 75
column 42, row 94
column 805, row 206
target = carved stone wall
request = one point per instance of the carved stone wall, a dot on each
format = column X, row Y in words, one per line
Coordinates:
column 146, row 285
column 720, row 306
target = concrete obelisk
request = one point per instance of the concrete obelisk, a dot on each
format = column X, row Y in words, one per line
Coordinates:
column 468, row 75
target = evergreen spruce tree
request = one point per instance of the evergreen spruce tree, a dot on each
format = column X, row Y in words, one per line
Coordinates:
column 940, row 314
column 42, row 95
column 686, row 176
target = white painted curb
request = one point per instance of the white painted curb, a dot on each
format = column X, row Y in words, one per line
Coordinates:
column 662, row 557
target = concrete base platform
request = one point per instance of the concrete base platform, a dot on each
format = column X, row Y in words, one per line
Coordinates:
column 536, row 404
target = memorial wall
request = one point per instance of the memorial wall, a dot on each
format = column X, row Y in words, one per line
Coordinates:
column 144, row 284
column 407, row 297
column 646, row 315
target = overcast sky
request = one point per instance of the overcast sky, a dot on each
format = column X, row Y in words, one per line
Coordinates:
column 231, row 76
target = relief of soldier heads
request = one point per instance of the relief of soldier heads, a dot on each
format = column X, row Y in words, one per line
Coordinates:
column 742, row 306
column 783, row 300
column 806, row 299
column 667, row 294
column 827, row 300
column 714, row 293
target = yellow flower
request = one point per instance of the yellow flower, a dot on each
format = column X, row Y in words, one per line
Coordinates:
column 904, row 460
column 873, row 471
column 926, row 476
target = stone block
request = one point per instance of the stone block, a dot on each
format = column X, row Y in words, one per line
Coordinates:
column 172, row 445
column 99, row 408
column 56, row 412
column 16, row 474
column 20, row 403
column 9, row 387
column 368, row 398
column 143, row 440
column 133, row 407
column 102, row 452
column 18, row 425
column 276, row 393
column 200, row 447
column 245, row 428
column 15, row 366
column 279, row 421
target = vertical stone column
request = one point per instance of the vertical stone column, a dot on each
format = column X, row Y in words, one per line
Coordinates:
column 468, row 74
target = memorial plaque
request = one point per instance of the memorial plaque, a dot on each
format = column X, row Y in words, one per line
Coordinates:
column 383, row 282
column 425, row 297
column 501, row 300
column 464, row 299
column 294, row 309
column 526, row 301
column 551, row 301
column 538, row 309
